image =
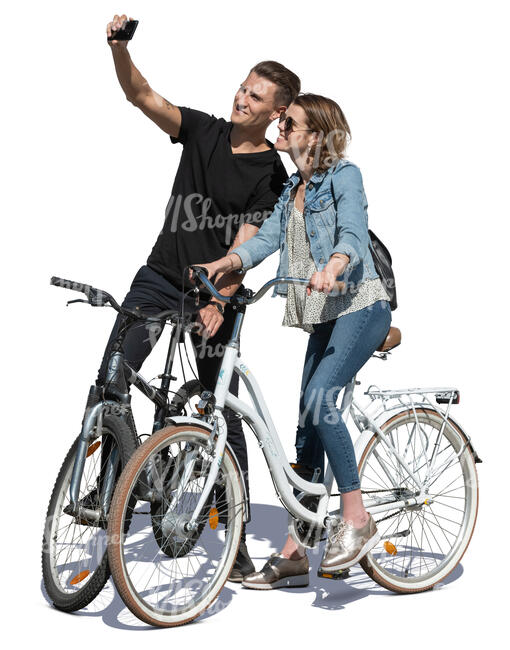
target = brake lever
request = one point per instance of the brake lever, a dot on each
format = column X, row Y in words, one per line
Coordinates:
column 196, row 280
column 70, row 302
column 96, row 298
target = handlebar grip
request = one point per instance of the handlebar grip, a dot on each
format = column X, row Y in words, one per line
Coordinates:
column 96, row 297
column 71, row 284
column 198, row 269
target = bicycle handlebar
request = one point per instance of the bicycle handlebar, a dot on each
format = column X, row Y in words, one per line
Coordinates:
column 70, row 284
column 249, row 297
column 95, row 297
column 100, row 298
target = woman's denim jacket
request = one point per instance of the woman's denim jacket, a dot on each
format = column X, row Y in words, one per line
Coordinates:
column 336, row 221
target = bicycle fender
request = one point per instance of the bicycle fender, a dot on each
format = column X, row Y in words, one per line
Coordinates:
column 179, row 420
column 367, row 434
column 361, row 443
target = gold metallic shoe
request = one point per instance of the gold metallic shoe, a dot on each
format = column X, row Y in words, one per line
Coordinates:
column 347, row 545
column 278, row 572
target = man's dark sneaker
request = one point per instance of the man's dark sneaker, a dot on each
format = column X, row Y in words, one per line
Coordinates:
column 243, row 565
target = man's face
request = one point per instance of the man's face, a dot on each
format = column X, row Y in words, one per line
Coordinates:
column 254, row 103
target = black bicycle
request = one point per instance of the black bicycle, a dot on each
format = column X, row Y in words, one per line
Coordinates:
column 74, row 558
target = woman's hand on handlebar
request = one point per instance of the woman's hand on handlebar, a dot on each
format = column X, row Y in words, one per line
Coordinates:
column 223, row 265
column 325, row 280
column 321, row 281
column 208, row 268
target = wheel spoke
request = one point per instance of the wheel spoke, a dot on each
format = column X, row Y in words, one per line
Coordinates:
column 169, row 568
column 436, row 528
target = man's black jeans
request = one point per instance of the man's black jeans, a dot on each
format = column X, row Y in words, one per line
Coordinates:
column 152, row 293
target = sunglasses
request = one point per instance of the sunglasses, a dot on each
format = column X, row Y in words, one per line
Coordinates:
column 289, row 125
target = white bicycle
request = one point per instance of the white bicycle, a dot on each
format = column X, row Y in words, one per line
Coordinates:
column 176, row 516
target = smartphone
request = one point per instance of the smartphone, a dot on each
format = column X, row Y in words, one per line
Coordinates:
column 125, row 33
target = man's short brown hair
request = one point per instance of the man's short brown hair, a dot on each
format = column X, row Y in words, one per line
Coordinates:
column 288, row 83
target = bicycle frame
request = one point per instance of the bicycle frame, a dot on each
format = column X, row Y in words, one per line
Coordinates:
column 119, row 375
column 284, row 477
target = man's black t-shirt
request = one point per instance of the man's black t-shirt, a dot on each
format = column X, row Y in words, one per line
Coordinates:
column 214, row 193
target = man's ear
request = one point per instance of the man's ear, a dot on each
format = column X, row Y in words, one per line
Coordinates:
column 275, row 115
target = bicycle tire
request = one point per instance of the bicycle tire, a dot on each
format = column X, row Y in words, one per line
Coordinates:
column 92, row 573
column 373, row 562
column 180, row 403
column 129, row 568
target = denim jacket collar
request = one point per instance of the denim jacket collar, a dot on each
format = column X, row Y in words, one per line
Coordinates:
column 318, row 176
column 295, row 178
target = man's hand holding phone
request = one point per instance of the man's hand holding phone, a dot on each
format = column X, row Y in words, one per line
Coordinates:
column 120, row 30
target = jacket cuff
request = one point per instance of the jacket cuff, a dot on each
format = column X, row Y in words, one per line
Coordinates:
column 346, row 249
column 246, row 258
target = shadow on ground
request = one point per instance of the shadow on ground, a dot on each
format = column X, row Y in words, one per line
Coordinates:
column 268, row 524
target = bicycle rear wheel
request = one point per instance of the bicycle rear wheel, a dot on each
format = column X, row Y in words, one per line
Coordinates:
column 173, row 586
column 74, row 558
column 420, row 544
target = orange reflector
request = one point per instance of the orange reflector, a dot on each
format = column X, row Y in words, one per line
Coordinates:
column 327, row 575
column 426, row 502
column 390, row 548
column 93, row 448
column 81, row 576
column 213, row 518
column 200, row 410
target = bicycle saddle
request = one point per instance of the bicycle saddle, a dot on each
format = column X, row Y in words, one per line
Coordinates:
column 393, row 338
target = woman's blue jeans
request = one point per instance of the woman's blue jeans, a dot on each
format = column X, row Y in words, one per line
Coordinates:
column 336, row 351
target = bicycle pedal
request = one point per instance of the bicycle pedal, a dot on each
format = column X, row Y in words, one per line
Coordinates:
column 341, row 574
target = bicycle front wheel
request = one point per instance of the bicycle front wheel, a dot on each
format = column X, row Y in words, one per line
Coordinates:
column 166, row 574
column 420, row 544
column 74, row 559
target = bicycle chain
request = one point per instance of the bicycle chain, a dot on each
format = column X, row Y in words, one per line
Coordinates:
column 378, row 521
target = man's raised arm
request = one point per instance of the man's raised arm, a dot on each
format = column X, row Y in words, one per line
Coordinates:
column 136, row 88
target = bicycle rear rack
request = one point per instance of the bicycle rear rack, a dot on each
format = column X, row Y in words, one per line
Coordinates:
column 417, row 398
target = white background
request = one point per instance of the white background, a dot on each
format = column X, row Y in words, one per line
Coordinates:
column 86, row 179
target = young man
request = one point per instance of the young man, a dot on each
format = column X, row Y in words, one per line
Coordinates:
column 227, row 183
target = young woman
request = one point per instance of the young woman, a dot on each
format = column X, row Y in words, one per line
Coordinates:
column 320, row 226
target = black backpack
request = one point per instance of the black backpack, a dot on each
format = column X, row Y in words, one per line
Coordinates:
column 382, row 262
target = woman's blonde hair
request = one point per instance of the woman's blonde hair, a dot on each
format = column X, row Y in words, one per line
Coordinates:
column 325, row 117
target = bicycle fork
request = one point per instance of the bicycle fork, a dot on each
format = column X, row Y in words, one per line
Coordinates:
column 92, row 428
column 216, row 447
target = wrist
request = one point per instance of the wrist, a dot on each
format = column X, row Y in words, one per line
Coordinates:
column 232, row 263
column 337, row 263
column 223, row 265
column 119, row 49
